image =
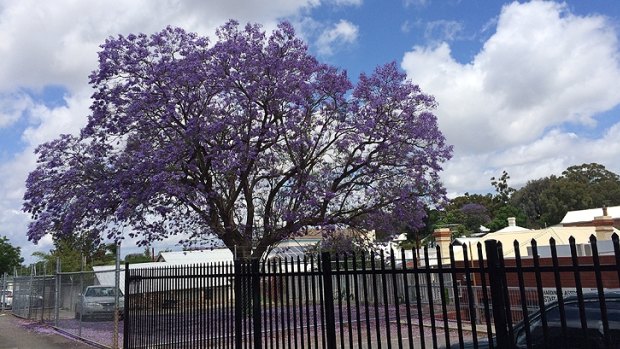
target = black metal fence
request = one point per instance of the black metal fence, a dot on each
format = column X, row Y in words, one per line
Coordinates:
column 380, row 301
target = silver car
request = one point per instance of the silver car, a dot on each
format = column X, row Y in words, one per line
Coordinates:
column 6, row 299
column 98, row 302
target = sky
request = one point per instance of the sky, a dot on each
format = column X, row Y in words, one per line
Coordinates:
column 530, row 88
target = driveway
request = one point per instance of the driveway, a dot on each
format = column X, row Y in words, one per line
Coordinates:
column 16, row 333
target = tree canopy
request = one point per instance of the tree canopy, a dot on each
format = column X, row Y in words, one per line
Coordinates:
column 76, row 252
column 250, row 139
column 540, row 203
column 10, row 256
column 547, row 200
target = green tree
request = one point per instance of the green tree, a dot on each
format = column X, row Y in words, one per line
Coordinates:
column 10, row 256
column 589, row 173
column 71, row 249
column 500, row 219
column 144, row 257
column 453, row 219
column 465, row 220
column 502, row 189
column 532, row 200
column 546, row 201
column 465, row 214
column 458, row 202
column 431, row 221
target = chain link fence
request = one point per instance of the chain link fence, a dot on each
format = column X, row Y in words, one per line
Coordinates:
column 6, row 292
column 80, row 304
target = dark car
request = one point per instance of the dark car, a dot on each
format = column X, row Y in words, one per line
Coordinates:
column 574, row 337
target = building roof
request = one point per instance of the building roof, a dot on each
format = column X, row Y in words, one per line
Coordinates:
column 106, row 274
column 215, row 255
column 512, row 227
column 589, row 214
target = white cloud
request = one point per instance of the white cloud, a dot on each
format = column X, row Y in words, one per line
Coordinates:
column 45, row 124
column 543, row 69
column 417, row 3
column 12, row 107
column 13, row 222
column 347, row 2
column 48, row 123
column 56, row 43
column 341, row 33
column 551, row 154
column 442, row 30
column 406, row 26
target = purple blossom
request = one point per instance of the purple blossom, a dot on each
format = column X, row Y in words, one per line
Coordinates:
column 249, row 138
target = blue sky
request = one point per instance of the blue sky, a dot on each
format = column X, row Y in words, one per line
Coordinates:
column 526, row 87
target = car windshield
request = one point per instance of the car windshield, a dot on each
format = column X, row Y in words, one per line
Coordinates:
column 102, row 292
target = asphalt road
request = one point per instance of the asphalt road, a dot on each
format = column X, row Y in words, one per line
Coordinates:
column 16, row 333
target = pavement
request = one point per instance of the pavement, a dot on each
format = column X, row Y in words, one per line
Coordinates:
column 16, row 333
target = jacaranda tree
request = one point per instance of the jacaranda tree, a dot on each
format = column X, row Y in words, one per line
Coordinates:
column 250, row 139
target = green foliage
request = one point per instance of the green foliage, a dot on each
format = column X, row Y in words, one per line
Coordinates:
column 547, row 200
column 589, row 173
column 71, row 249
column 10, row 256
column 465, row 214
column 458, row 202
column 540, row 203
column 433, row 216
column 453, row 219
column 139, row 257
column 500, row 220
column 503, row 190
column 532, row 200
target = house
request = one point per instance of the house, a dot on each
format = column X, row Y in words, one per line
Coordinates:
column 601, row 227
column 215, row 255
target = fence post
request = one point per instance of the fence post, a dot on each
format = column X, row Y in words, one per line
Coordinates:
column 81, row 296
column 43, row 293
column 117, row 269
column 496, row 282
column 126, row 306
column 3, row 296
column 3, row 299
column 256, row 321
column 328, row 296
column 238, row 305
column 57, row 292
column 33, row 271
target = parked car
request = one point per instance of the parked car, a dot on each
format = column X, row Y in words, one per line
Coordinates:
column 6, row 299
column 98, row 302
column 574, row 333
